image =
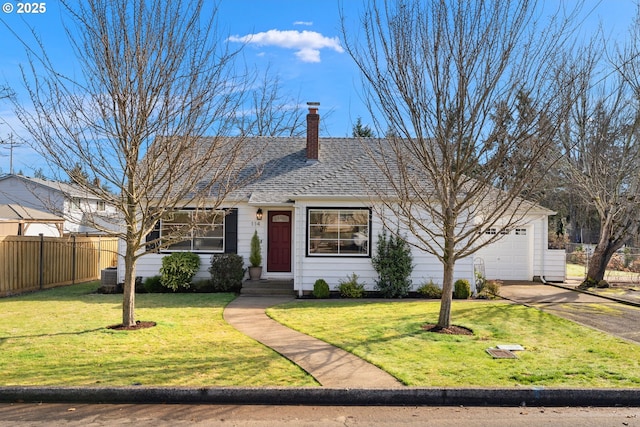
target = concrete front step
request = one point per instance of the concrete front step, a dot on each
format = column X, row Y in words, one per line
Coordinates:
column 267, row 287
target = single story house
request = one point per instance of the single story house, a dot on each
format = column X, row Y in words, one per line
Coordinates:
column 316, row 219
column 61, row 199
column 16, row 220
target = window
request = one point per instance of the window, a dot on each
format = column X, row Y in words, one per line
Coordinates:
column 338, row 232
column 75, row 204
column 491, row 231
column 101, row 206
column 194, row 231
column 521, row 231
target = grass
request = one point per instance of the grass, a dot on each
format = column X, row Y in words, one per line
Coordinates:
column 59, row 337
column 559, row 353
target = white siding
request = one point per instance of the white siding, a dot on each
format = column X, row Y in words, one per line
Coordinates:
column 335, row 269
column 555, row 265
column 306, row 270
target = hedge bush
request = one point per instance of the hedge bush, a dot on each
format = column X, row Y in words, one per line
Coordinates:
column 227, row 272
column 430, row 290
column 178, row 269
column 461, row 289
column 321, row 289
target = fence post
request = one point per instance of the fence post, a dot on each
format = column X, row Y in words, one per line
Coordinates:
column 41, row 268
column 73, row 261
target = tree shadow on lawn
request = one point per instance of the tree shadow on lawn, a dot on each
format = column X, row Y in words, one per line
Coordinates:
column 57, row 334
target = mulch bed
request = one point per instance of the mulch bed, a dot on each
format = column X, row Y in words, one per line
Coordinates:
column 139, row 325
column 451, row 330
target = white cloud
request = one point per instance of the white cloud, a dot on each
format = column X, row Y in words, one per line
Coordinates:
column 307, row 44
column 305, row 23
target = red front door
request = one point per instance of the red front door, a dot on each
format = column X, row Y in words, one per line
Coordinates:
column 279, row 241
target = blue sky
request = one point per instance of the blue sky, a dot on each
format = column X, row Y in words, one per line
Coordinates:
column 299, row 39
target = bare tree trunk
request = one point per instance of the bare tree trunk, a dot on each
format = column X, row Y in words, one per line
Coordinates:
column 129, row 297
column 602, row 254
column 444, row 319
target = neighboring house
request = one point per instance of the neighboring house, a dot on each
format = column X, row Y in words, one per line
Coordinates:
column 16, row 220
column 316, row 219
column 58, row 198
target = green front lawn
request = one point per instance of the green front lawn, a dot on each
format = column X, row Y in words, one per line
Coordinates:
column 558, row 353
column 59, row 337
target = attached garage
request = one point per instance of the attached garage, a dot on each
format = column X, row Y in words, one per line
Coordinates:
column 509, row 258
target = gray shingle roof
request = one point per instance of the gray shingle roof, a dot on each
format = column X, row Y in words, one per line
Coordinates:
column 17, row 212
column 342, row 170
column 69, row 190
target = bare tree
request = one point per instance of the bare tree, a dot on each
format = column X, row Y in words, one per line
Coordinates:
column 467, row 92
column 155, row 79
column 269, row 112
column 601, row 145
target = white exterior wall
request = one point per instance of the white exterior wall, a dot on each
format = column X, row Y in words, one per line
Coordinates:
column 306, row 270
column 335, row 269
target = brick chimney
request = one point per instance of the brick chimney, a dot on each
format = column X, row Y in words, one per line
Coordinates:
column 313, row 124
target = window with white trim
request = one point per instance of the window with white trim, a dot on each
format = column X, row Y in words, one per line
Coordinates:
column 338, row 232
column 521, row 231
column 194, row 231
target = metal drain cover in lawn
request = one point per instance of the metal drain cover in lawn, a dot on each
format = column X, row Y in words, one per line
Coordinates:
column 498, row 353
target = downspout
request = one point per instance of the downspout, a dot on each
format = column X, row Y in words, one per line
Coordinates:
column 545, row 232
column 299, row 254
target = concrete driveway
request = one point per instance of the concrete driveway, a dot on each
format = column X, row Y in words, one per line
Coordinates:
column 609, row 316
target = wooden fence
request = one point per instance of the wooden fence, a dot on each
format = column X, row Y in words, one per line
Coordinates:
column 32, row 263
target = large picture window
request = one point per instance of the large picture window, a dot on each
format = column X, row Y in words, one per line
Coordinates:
column 194, row 231
column 338, row 232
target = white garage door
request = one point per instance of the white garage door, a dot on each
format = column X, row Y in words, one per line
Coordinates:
column 508, row 258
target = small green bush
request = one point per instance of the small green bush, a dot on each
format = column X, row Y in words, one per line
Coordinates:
column 490, row 290
column 321, row 289
column 351, row 288
column 430, row 290
column 227, row 272
column 153, row 284
column 461, row 289
column 178, row 269
column 255, row 255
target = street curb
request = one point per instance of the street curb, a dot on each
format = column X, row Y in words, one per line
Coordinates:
column 327, row 396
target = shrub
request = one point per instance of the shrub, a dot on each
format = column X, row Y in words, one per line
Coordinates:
column 153, row 284
column 255, row 255
column 461, row 289
column 430, row 290
column 490, row 290
column 351, row 288
column 393, row 263
column 178, row 269
column 227, row 272
column 321, row 289
column 202, row 286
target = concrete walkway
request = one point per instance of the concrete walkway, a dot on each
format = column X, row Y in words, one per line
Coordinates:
column 329, row 365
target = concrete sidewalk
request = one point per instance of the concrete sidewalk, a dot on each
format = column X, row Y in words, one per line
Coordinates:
column 329, row 365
